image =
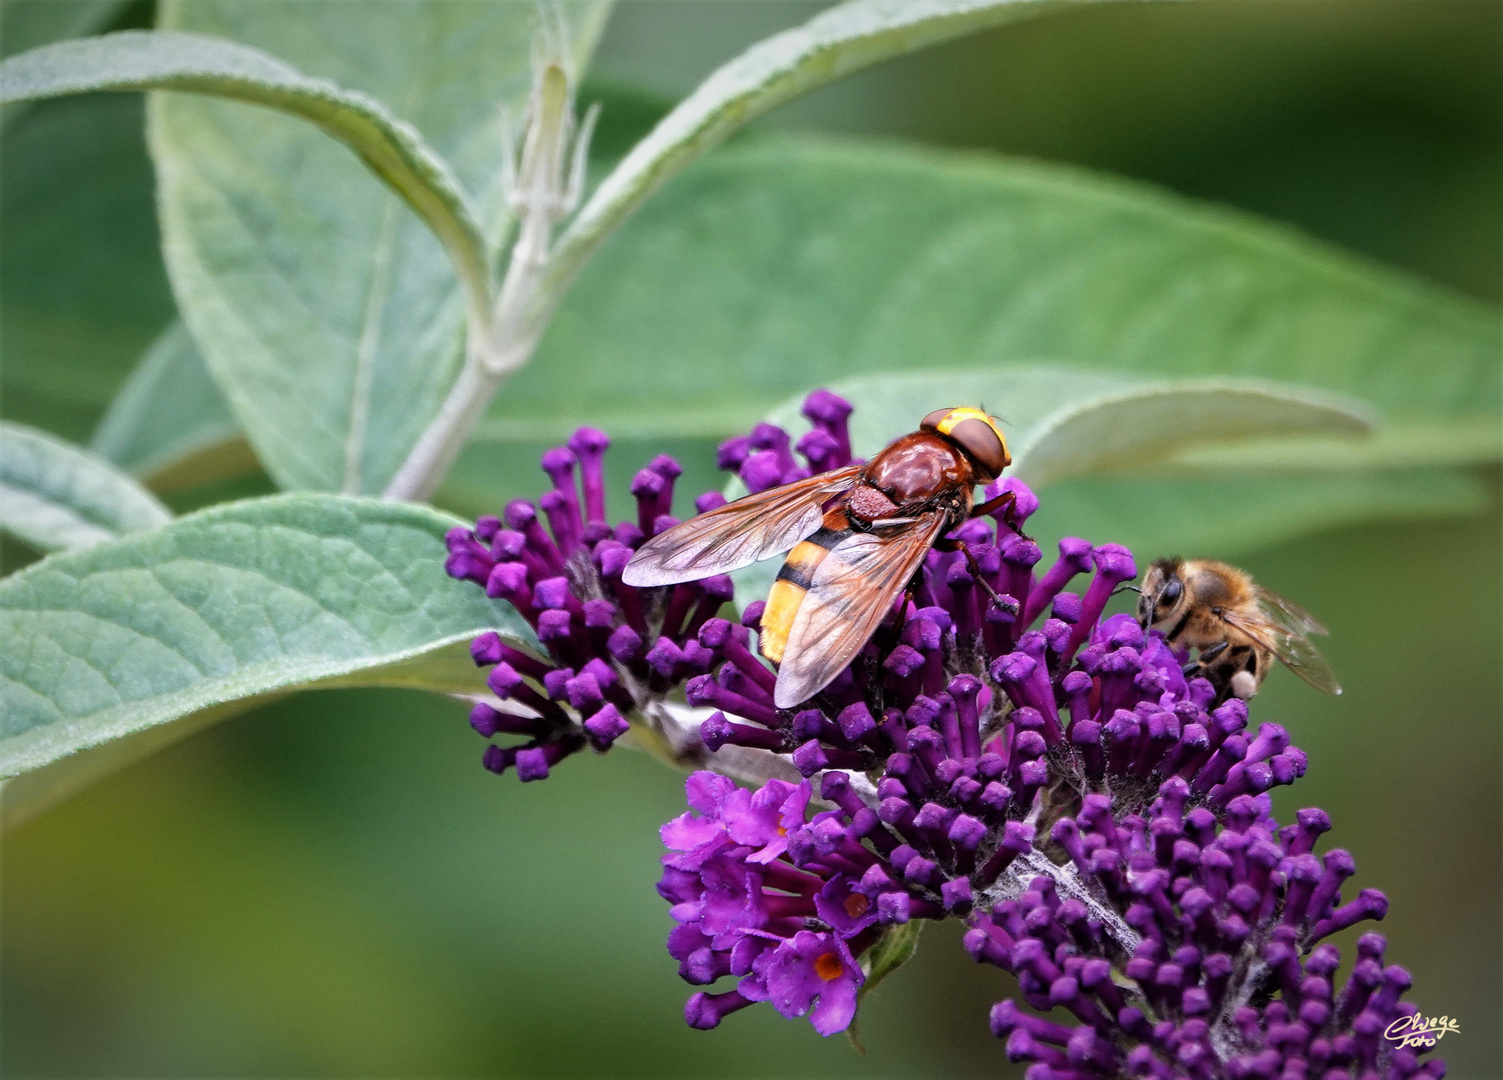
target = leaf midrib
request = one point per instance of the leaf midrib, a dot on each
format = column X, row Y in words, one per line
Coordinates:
column 379, row 285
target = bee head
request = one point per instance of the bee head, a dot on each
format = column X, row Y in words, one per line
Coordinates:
column 976, row 433
column 1163, row 592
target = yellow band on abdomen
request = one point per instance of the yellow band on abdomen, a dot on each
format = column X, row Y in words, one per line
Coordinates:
column 777, row 618
column 787, row 593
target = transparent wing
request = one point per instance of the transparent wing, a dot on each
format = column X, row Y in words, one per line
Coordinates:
column 1280, row 627
column 738, row 533
column 852, row 589
column 1286, row 614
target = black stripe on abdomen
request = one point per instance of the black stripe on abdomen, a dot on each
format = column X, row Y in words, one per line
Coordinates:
column 797, row 573
column 827, row 538
column 798, row 568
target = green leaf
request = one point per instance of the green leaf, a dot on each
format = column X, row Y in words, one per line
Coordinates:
column 55, row 496
column 169, row 425
column 76, row 212
column 1063, row 423
column 445, row 670
column 225, row 605
column 782, row 265
column 893, row 948
column 328, row 315
column 144, row 60
column 1125, row 429
column 1238, row 513
column 835, row 43
column 25, row 24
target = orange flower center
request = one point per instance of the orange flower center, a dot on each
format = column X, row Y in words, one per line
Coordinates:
column 782, row 831
column 856, row 905
column 828, row 967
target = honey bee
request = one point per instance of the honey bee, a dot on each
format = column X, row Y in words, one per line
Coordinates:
column 1238, row 626
column 850, row 562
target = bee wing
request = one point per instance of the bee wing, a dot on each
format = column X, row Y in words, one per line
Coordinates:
column 851, row 590
column 738, row 533
column 1280, row 627
column 1286, row 614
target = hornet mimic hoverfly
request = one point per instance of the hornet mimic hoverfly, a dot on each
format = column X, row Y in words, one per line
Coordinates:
column 850, row 562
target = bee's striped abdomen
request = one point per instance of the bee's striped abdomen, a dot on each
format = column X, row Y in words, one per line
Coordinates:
column 789, row 589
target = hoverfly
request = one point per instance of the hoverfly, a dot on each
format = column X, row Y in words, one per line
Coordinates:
column 1238, row 626
column 850, row 562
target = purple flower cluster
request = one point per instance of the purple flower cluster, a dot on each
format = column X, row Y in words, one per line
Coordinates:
column 611, row 648
column 971, row 715
column 1188, row 948
column 743, row 906
column 1001, row 750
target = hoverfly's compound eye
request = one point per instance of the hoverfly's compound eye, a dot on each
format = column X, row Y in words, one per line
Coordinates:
column 983, row 444
column 975, row 433
column 932, row 421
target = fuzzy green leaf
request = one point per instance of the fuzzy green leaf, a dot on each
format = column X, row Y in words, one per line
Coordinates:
column 328, row 315
column 76, row 195
column 1142, row 424
column 835, row 43
column 169, row 425
column 225, row 605
column 25, row 24
column 776, row 267
column 56, row 496
column 196, row 63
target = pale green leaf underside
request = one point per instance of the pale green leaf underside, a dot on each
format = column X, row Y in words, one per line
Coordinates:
column 330, row 317
column 196, row 63
column 1138, row 425
column 835, row 43
column 169, row 416
column 770, row 269
column 228, row 604
column 56, row 496
column 1063, row 423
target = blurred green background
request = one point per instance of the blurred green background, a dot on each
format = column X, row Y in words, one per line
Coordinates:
column 331, row 885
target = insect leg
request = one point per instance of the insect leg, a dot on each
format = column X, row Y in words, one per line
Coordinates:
column 1005, row 500
column 947, row 544
column 991, row 506
column 910, row 596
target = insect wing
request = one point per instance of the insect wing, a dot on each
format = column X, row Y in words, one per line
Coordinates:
column 1280, row 627
column 1288, row 615
column 738, row 533
column 852, row 589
